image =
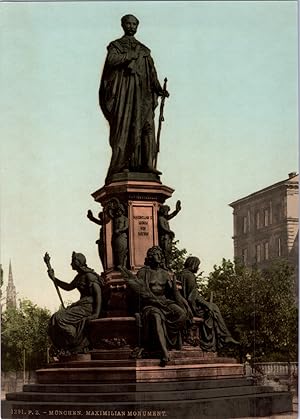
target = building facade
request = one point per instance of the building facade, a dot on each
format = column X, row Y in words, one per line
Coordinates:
column 266, row 224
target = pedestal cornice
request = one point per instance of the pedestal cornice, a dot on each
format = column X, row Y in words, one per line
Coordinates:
column 134, row 190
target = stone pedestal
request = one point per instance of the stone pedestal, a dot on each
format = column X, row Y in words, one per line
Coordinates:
column 193, row 385
column 141, row 197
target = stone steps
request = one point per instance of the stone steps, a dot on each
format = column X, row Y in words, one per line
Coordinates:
column 137, row 387
column 153, row 373
column 193, row 385
column 141, row 396
column 195, row 353
column 234, row 406
column 137, row 362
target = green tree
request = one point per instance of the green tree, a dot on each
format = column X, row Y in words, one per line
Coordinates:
column 24, row 328
column 1, row 284
column 178, row 257
column 259, row 309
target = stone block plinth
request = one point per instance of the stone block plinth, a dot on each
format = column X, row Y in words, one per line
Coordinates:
column 141, row 200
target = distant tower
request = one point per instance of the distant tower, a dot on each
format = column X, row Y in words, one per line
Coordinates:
column 11, row 300
column 1, row 280
column 1, row 283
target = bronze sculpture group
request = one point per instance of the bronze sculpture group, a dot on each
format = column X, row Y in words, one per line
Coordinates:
column 164, row 302
column 166, row 310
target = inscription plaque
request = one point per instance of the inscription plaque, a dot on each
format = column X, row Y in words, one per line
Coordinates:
column 142, row 231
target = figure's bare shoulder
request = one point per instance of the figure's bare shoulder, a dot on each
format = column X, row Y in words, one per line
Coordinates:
column 92, row 278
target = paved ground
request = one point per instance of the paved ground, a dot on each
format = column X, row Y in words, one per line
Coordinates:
column 291, row 415
column 283, row 416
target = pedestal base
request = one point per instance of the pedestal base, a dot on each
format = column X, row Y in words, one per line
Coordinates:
column 193, row 385
column 185, row 365
column 69, row 391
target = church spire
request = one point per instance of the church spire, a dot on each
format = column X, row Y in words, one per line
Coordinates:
column 11, row 300
column 1, row 280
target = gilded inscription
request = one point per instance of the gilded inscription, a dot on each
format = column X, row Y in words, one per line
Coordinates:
column 143, row 228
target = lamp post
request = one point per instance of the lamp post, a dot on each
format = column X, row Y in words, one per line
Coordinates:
column 24, row 361
column 248, row 369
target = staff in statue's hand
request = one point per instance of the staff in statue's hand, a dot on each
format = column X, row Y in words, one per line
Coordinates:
column 161, row 119
column 52, row 276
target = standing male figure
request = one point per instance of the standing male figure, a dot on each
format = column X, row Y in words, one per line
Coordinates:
column 128, row 96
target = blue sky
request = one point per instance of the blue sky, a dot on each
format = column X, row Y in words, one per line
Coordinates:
column 231, row 122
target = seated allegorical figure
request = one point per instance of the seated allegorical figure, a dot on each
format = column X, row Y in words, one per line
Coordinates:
column 213, row 332
column 164, row 312
column 67, row 329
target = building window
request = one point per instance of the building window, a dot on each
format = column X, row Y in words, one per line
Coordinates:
column 249, row 220
column 266, row 250
column 266, row 217
column 278, row 212
column 257, row 253
column 279, row 251
column 244, row 256
column 245, row 224
column 257, row 220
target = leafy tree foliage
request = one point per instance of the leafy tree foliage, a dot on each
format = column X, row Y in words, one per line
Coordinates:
column 259, row 308
column 24, row 328
column 178, row 257
column 1, row 276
